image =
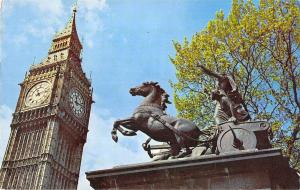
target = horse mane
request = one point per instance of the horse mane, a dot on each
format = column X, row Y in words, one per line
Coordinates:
column 164, row 95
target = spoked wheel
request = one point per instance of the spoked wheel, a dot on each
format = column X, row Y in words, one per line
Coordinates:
column 235, row 139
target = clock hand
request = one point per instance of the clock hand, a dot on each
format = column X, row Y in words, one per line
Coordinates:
column 76, row 100
column 38, row 93
column 78, row 103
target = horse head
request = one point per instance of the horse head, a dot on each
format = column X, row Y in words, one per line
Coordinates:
column 152, row 90
column 143, row 90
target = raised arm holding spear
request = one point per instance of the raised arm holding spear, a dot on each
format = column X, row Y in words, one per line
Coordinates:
column 230, row 100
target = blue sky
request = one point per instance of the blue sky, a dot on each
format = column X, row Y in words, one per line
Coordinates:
column 125, row 43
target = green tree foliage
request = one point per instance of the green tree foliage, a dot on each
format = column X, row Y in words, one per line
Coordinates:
column 259, row 46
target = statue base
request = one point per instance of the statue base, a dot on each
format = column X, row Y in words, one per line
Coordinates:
column 249, row 169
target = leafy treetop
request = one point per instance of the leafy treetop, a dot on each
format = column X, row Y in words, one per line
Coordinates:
column 259, row 46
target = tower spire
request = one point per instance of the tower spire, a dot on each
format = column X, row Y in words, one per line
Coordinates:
column 66, row 43
column 70, row 26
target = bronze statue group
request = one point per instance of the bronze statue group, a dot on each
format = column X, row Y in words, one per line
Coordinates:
column 180, row 135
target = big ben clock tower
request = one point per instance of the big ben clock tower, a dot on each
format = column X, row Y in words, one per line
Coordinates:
column 50, row 123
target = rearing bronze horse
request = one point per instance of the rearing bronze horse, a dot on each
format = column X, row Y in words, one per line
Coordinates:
column 183, row 133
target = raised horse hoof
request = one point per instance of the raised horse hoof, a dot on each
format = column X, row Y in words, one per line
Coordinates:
column 115, row 138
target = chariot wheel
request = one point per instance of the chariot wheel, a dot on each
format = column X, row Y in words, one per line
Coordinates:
column 235, row 139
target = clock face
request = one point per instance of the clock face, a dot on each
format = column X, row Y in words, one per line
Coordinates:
column 38, row 94
column 76, row 102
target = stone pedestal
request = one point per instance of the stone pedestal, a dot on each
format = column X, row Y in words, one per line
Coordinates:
column 257, row 169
